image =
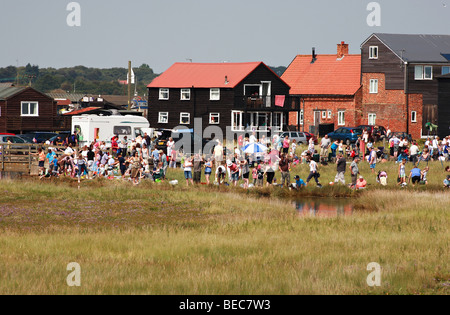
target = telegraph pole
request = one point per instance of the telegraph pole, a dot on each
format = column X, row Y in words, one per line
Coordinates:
column 129, row 85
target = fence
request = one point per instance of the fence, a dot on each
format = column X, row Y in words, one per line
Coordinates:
column 23, row 157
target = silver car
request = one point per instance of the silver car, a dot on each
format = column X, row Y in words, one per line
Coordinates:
column 298, row 136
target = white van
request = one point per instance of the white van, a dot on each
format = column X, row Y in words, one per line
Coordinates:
column 92, row 128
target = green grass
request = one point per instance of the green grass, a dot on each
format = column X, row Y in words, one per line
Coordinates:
column 159, row 239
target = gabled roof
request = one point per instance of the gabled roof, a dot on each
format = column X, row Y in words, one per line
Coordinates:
column 8, row 92
column 328, row 75
column 204, row 75
column 417, row 48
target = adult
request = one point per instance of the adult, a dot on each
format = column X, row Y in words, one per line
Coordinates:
column 208, row 171
column 284, row 166
column 198, row 161
column 325, row 144
column 136, row 164
column 286, row 145
column 245, row 169
column 341, row 164
column 313, row 171
column 361, row 183
column 170, row 146
column 415, row 175
column 188, row 165
column 234, row 172
column 218, row 152
column 372, row 159
column 269, row 172
column 414, row 152
column 354, row 169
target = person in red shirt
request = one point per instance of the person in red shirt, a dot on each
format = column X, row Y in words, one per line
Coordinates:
column 234, row 171
column 114, row 145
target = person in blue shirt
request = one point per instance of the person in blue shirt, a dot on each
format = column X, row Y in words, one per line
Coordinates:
column 415, row 175
column 50, row 157
column 299, row 183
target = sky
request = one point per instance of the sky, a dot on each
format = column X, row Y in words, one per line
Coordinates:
column 160, row 33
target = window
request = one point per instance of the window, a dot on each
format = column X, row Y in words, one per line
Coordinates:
column 413, row 116
column 185, row 94
column 341, row 118
column 374, row 86
column 423, row 72
column 445, row 70
column 164, row 94
column 214, row 118
column 163, row 118
column 214, row 94
column 236, row 121
column 373, row 52
column 30, row 109
column 372, row 119
column 329, row 114
column 324, row 114
column 122, row 130
column 185, row 118
column 301, row 117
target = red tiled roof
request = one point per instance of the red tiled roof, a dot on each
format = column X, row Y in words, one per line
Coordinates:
column 81, row 111
column 204, row 75
column 326, row 76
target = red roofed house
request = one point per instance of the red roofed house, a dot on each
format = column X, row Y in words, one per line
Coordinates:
column 328, row 88
column 238, row 95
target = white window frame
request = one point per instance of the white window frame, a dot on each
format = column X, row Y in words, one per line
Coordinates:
column 341, row 118
column 373, row 52
column 422, row 76
column 186, row 93
column 324, row 114
column 281, row 121
column 302, row 117
column 162, row 92
column 233, row 122
column 373, row 87
column 413, row 116
column 214, row 115
column 214, row 94
column 185, row 115
column 372, row 117
column 330, row 114
column 36, row 114
column 161, row 115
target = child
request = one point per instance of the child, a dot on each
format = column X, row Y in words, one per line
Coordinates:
column 402, row 173
column 382, row 178
column 299, row 183
column 424, row 173
column 447, row 182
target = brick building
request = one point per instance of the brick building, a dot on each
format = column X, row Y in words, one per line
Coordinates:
column 328, row 89
column 399, row 78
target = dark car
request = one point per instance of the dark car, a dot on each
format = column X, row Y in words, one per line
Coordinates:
column 38, row 137
column 19, row 144
column 62, row 135
column 376, row 132
column 348, row 134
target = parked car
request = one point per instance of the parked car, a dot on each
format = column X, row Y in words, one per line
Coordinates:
column 348, row 134
column 14, row 140
column 310, row 135
column 38, row 137
column 298, row 136
column 376, row 132
column 63, row 136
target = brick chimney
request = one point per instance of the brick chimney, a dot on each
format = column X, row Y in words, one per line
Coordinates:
column 342, row 50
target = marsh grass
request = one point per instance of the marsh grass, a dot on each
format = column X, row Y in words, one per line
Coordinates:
column 159, row 239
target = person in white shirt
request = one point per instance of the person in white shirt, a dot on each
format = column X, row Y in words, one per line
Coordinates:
column 414, row 151
column 313, row 172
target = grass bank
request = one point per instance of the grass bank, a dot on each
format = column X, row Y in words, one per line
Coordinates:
column 154, row 239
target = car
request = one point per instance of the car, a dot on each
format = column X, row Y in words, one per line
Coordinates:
column 348, row 134
column 310, row 135
column 38, row 137
column 63, row 136
column 17, row 141
column 182, row 144
column 298, row 136
column 376, row 132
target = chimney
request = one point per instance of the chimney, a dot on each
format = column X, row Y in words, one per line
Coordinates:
column 342, row 50
column 314, row 56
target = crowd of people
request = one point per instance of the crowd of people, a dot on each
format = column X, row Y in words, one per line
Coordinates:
column 139, row 159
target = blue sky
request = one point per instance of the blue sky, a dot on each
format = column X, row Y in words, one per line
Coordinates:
column 160, row 33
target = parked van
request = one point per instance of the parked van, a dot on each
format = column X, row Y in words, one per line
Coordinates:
column 92, row 128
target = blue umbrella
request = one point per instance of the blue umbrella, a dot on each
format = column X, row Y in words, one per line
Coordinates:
column 254, row 148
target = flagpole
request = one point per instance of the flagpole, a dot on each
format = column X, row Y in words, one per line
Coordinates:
column 129, row 85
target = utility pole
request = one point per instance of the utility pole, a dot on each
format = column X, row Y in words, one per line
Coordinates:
column 129, row 85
